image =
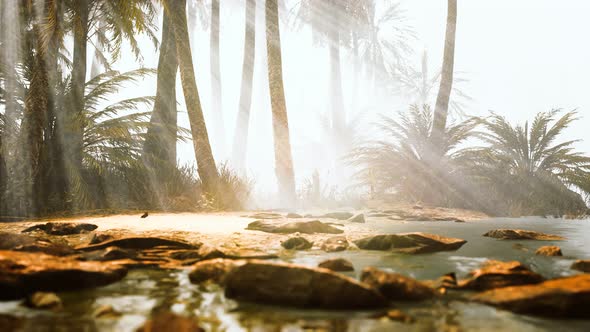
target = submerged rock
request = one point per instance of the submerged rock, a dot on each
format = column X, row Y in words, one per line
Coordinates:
column 214, row 270
column 335, row 243
column 520, row 234
column 62, row 228
column 168, row 321
column 337, row 215
column 410, row 243
column 43, row 300
column 396, row 287
column 581, row 265
column 360, row 218
column 297, row 243
column 139, row 243
column 549, row 251
column 564, row 297
column 496, row 274
column 22, row 242
column 300, row 286
column 337, row 264
column 305, row 227
column 25, row 273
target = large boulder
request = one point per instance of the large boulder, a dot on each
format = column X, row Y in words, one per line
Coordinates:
column 496, row 274
column 139, row 243
column 25, row 273
column 520, row 234
column 564, row 297
column 62, row 228
column 410, row 243
column 396, row 287
column 300, row 286
column 335, row 243
column 297, row 243
column 213, row 270
column 22, row 242
column 305, row 227
column 549, row 251
column 581, row 265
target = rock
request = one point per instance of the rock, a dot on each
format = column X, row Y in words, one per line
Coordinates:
column 496, row 274
column 562, row 298
column 44, row 300
column 335, row 243
column 337, row 215
column 549, row 251
column 62, row 228
column 410, row 243
column 300, row 286
column 106, row 311
column 207, row 252
column 305, row 227
column 22, row 242
column 396, row 287
column 214, row 270
column 337, row 264
column 399, row 316
column 25, row 273
column 139, row 243
column 519, row 234
column 109, row 254
column 185, row 255
column 360, row 218
column 168, row 321
column 294, row 215
column 581, row 265
column 297, row 243
column 447, row 281
column 99, row 238
column 265, row 215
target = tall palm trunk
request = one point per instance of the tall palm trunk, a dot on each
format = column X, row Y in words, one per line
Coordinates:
column 242, row 125
column 336, row 95
column 97, row 67
column 280, row 123
column 446, row 83
column 160, row 143
column 205, row 161
column 214, row 58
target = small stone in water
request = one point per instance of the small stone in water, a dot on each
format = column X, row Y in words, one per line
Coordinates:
column 549, row 251
column 106, row 311
column 44, row 300
column 297, row 243
column 338, row 265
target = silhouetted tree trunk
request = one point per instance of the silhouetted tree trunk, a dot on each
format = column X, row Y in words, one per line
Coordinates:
column 97, row 66
column 280, row 123
column 214, row 58
column 242, row 124
column 446, row 83
column 336, row 96
column 205, row 161
column 160, row 143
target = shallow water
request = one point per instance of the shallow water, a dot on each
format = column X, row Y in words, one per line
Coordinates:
column 144, row 291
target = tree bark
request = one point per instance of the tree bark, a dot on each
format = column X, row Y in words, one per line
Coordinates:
column 205, row 161
column 446, row 82
column 283, row 159
column 242, row 124
column 214, row 58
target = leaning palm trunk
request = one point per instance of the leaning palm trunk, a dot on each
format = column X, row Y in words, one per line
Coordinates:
column 242, row 124
column 336, row 95
column 446, row 82
column 205, row 161
column 214, row 58
column 283, row 160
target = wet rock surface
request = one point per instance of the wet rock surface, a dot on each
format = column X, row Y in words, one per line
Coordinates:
column 582, row 265
column 305, row 227
column 297, row 243
column 25, row 273
column 299, row 286
column 410, row 243
column 564, row 297
column 22, row 242
column 549, row 251
column 335, row 243
column 214, row 270
column 520, row 234
column 396, row 287
column 337, row 264
column 139, row 243
column 44, row 300
column 168, row 321
column 62, row 228
column 496, row 274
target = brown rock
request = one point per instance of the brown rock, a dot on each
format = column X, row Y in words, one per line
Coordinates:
column 337, row 264
column 168, row 321
column 25, row 273
column 410, row 243
column 336, row 243
column 62, row 228
column 399, row 316
column 294, row 285
column 496, row 274
column 297, row 243
column 214, row 270
column 207, row 252
column 549, row 251
column 99, row 238
column 581, row 265
column 396, row 287
column 564, row 297
column 520, row 234
column 109, row 254
column 305, row 227
column 22, row 242
column 106, row 311
column 44, row 300
column 139, row 243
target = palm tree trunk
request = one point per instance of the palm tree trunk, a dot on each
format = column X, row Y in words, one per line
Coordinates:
column 160, row 143
column 446, row 83
column 280, row 123
column 214, row 58
column 205, row 161
column 241, row 137
column 336, row 95
column 96, row 67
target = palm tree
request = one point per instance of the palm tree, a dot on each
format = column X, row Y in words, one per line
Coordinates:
column 283, row 159
column 205, row 161
column 214, row 58
column 446, row 82
column 242, row 124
